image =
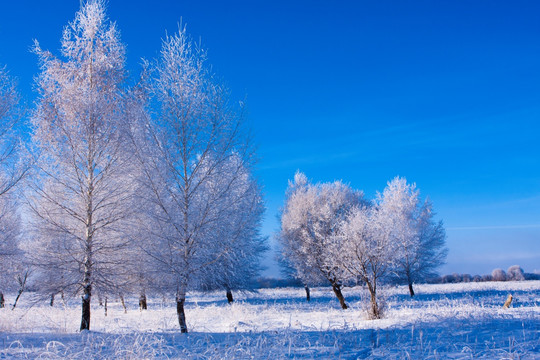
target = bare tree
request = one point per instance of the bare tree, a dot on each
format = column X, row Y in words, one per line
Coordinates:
column 184, row 149
column 81, row 196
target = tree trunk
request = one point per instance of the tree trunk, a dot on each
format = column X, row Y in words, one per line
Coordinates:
column 180, row 300
column 142, row 301
column 374, row 306
column 308, row 297
column 339, row 295
column 105, row 306
column 123, row 303
column 2, row 300
column 17, row 298
column 411, row 291
column 229, row 296
column 21, row 279
column 87, row 296
column 52, row 300
column 375, row 311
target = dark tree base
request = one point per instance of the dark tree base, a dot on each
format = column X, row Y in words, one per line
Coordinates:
column 308, row 296
column 142, row 302
column 181, row 315
column 339, row 295
column 85, row 321
column 411, row 291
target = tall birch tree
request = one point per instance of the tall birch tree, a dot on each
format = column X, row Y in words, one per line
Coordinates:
column 82, row 193
column 185, row 145
column 12, row 170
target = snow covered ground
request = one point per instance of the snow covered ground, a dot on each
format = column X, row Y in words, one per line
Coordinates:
column 456, row 321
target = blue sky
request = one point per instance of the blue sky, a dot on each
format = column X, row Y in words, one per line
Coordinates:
column 445, row 93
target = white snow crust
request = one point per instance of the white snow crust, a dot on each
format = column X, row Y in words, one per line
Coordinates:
column 450, row 321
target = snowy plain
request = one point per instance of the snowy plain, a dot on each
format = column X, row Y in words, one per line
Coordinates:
column 450, row 321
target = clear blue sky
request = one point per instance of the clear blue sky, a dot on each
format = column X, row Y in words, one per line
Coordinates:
column 445, row 93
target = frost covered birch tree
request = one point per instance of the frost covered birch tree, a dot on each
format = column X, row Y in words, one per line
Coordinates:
column 11, row 172
column 82, row 193
column 185, row 147
column 310, row 229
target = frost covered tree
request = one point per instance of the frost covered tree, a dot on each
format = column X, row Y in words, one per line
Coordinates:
column 11, row 256
column 81, row 196
column 185, row 146
column 293, row 261
column 419, row 240
column 310, row 223
column 515, row 273
column 12, row 170
column 237, row 231
column 368, row 251
column 498, row 275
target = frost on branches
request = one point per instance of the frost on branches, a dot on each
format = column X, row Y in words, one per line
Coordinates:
column 329, row 231
column 239, row 243
column 12, row 262
column 203, row 208
column 82, row 193
column 310, row 223
column 12, row 170
column 419, row 240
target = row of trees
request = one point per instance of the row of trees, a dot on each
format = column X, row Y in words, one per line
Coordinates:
column 144, row 187
column 331, row 233
column 148, row 186
column 514, row 273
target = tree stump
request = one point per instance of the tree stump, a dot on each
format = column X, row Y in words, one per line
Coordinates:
column 507, row 302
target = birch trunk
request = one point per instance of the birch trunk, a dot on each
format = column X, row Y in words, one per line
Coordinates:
column 180, row 300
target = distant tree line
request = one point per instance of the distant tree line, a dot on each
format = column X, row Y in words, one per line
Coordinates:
column 514, row 273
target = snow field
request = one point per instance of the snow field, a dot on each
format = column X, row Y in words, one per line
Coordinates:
column 460, row 321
